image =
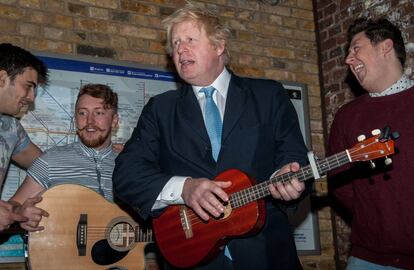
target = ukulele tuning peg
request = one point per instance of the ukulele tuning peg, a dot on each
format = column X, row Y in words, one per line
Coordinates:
column 361, row 138
column 372, row 164
column 387, row 161
column 376, row 132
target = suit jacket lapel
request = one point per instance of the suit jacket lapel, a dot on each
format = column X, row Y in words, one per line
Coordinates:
column 235, row 105
column 190, row 137
column 189, row 109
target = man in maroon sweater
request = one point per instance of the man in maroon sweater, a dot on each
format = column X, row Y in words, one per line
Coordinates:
column 380, row 200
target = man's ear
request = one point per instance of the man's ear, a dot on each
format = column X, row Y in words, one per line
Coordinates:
column 3, row 78
column 115, row 121
column 221, row 46
column 387, row 46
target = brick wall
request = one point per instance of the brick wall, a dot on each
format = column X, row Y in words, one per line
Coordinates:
column 333, row 18
column 275, row 42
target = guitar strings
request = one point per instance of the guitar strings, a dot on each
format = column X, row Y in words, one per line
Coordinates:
column 99, row 232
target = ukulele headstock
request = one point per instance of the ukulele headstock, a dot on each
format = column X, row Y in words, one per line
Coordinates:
column 381, row 144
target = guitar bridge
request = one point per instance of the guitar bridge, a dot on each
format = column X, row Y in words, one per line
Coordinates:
column 81, row 234
column 185, row 222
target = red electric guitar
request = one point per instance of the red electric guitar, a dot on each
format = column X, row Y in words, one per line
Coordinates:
column 186, row 240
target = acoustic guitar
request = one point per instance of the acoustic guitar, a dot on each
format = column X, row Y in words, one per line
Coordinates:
column 85, row 231
column 186, row 240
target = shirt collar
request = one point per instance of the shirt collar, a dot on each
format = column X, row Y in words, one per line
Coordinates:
column 402, row 84
column 91, row 152
column 221, row 84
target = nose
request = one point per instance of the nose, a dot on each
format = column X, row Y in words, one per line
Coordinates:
column 31, row 94
column 349, row 58
column 181, row 47
column 91, row 118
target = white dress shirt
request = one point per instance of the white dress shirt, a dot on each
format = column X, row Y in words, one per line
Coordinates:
column 171, row 193
column 402, row 84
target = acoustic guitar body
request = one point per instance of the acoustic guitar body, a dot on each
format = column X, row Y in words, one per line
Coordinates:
column 75, row 236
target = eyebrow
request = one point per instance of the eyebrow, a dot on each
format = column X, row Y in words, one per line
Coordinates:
column 94, row 108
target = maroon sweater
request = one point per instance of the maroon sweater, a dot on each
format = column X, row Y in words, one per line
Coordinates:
column 380, row 200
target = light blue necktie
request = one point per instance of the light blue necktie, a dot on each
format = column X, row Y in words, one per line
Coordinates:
column 213, row 121
column 214, row 127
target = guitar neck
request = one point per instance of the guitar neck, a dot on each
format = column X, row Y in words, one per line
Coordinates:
column 261, row 190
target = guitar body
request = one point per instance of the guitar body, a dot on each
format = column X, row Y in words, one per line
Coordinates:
column 57, row 246
column 185, row 240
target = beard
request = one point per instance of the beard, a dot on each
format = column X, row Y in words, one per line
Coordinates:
column 93, row 142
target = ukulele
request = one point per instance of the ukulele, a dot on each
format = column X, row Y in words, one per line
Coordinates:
column 186, row 240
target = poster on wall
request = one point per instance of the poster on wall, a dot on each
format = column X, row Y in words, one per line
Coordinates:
column 304, row 220
column 51, row 122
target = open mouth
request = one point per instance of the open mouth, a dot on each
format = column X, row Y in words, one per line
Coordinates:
column 91, row 129
column 186, row 62
column 358, row 69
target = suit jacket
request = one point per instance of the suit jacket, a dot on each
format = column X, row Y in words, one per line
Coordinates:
column 260, row 134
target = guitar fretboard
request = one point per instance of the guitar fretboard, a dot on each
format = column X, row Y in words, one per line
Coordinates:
column 261, row 190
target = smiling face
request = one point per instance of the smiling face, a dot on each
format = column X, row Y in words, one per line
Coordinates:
column 197, row 61
column 367, row 62
column 94, row 122
column 18, row 93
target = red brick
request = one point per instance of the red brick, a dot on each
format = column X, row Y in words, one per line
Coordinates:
column 140, row 8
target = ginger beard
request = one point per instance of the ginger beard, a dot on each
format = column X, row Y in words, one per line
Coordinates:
column 93, row 136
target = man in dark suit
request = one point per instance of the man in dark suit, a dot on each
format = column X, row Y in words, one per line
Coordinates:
column 215, row 122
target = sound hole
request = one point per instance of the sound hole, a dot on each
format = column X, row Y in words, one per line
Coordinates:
column 103, row 254
column 121, row 235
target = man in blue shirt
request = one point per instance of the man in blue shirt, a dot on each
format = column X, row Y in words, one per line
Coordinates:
column 20, row 74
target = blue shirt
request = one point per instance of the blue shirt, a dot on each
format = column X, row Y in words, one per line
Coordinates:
column 13, row 139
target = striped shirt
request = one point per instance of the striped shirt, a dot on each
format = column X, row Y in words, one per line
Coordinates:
column 76, row 163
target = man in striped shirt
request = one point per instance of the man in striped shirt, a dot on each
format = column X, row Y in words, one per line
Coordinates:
column 89, row 162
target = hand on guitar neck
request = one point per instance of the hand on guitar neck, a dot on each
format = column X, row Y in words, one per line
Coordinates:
column 290, row 190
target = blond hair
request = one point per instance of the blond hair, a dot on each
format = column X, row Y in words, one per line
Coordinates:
column 216, row 31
